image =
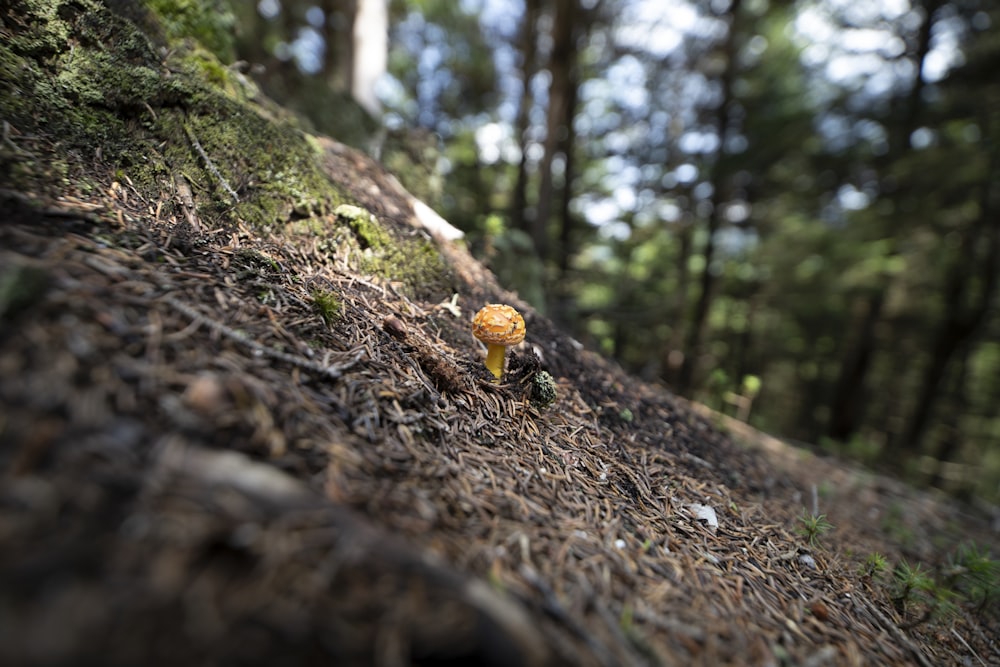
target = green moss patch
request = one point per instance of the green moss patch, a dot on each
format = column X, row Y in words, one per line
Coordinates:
column 111, row 105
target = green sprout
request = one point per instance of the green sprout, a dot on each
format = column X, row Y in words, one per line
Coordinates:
column 813, row 527
column 975, row 574
column 874, row 565
column 914, row 585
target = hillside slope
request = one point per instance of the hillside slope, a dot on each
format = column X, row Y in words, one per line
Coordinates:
column 245, row 421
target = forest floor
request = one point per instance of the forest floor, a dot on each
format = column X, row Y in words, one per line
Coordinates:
column 232, row 446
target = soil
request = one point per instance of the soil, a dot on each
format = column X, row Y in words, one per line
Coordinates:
column 234, row 444
column 198, row 467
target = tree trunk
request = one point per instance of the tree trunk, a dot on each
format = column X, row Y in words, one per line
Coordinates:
column 961, row 322
column 560, row 65
column 563, row 251
column 562, row 297
column 529, row 66
column 696, row 332
column 369, row 52
column 949, row 443
column 338, row 54
column 846, row 410
column 671, row 363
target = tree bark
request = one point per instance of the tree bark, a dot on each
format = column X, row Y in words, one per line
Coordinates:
column 562, row 297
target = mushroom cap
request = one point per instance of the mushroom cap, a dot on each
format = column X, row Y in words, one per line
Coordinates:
column 498, row 324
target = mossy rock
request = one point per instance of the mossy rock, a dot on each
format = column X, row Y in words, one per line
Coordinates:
column 138, row 95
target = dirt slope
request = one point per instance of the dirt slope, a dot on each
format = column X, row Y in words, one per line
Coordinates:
column 244, row 424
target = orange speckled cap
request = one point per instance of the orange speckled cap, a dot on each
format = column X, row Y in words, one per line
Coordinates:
column 498, row 324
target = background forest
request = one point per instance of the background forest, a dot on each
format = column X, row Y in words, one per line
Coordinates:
column 789, row 211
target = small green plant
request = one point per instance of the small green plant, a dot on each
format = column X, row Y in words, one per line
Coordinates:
column 874, row 565
column 973, row 573
column 970, row 577
column 326, row 304
column 813, row 527
column 910, row 582
column 913, row 586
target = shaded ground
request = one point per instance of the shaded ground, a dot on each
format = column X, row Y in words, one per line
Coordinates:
column 144, row 362
column 233, row 444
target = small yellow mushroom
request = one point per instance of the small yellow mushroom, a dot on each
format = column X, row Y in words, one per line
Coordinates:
column 499, row 326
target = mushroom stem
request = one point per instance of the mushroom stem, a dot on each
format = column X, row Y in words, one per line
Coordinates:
column 495, row 358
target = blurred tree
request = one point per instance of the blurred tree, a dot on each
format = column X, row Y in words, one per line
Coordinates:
column 561, row 26
column 718, row 172
column 847, row 410
column 320, row 58
column 527, row 46
column 968, row 201
column 367, row 59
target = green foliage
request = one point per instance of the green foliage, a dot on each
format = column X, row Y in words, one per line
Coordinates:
column 874, row 566
column 210, row 22
column 970, row 577
column 975, row 575
column 813, row 527
column 461, row 82
column 914, row 588
column 911, row 583
column 327, row 304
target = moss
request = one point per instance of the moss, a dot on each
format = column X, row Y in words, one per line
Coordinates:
column 110, row 96
column 103, row 90
column 415, row 262
column 266, row 165
column 327, row 304
column 364, row 225
column 86, row 80
column 418, row 264
column 210, row 22
column 543, row 390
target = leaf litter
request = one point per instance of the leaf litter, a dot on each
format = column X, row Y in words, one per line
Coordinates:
column 198, row 466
